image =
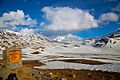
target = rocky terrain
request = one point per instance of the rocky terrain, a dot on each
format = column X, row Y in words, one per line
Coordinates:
column 10, row 38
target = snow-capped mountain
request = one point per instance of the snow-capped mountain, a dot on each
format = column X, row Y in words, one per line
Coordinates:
column 32, row 40
column 115, row 34
column 111, row 40
column 69, row 38
column 9, row 38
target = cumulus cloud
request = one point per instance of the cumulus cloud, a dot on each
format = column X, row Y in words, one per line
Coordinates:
column 67, row 19
column 13, row 19
column 27, row 31
column 107, row 17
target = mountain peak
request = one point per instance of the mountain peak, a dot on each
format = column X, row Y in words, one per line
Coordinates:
column 67, row 38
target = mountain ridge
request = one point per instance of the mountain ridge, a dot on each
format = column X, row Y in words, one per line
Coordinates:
column 9, row 38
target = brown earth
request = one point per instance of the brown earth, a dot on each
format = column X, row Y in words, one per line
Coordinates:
column 28, row 72
column 31, row 63
column 70, row 74
column 83, row 61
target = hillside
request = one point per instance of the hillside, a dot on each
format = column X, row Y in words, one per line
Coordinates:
column 10, row 38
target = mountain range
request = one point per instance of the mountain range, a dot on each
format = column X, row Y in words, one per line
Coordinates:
column 9, row 38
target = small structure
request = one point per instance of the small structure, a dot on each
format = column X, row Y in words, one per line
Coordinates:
column 12, row 57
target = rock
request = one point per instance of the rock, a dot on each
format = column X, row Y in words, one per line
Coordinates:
column 63, row 79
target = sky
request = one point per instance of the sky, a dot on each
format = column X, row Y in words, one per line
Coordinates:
column 83, row 18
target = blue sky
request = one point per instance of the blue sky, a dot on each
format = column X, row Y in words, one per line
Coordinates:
column 84, row 18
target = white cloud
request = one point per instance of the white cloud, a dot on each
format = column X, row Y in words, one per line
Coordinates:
column 67, row 19
column 109, row 17
column 27, row 31
column 13, row 19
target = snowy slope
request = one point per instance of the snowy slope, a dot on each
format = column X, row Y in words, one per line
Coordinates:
column 10, row 38
column 69, row 38
column 34, row 41
column 109, row 42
